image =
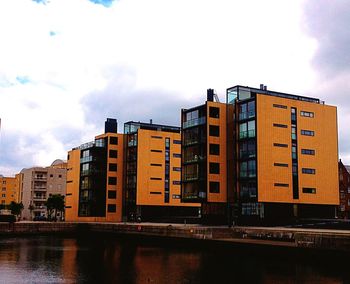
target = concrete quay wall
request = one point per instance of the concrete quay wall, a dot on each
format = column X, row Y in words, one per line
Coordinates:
column 314, row 239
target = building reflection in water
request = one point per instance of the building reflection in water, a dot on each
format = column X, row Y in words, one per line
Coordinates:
column 101, row 259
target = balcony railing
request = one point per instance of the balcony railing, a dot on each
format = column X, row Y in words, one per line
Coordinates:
column 189, row 177
column 194, row 159
column 39, row 198
column 246, row 115
column 86, row 159
column 247, row 134
column 194, row 122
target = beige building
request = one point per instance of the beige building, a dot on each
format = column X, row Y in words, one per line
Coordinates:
column 38, row 184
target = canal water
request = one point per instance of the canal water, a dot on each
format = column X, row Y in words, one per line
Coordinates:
column 106, row 259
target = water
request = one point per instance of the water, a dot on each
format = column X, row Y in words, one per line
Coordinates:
column 103, row 259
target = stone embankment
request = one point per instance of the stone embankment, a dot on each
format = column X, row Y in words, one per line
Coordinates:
column 317, row 239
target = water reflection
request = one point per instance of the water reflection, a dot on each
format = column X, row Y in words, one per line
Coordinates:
column 101, row 259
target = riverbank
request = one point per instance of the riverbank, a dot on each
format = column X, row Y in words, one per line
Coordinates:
column 278, row 237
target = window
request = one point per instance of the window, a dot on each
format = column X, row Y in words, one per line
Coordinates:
column 156, row 178
column 113, row 140
column 280, row 165
column 177, row 169
column 167, row 143
column 175, row 155
column 214, row 149
column 112, row 180
column 307, row 132
column 281, row 184
column 279, row 106
column 112, row 167
column 176, row 182
column 308, row 152
column 155, row 192
column 177, row 142
column 176, row 196
column 192, row 115
column 51, row 175
column 112, row 194
column 307, row 114
column 156, row 151
column 309, row 190
column 308, row 171
column 156, row 137
column 214, row 130
column 247, row 110
column 59, row 176
column 68, row 194
column 280, row 145
column 112, row 208
column 248, row 169
column 100, row 143
column 214, row 168
column 247, row 129
column 247, row 149
column 156, row 165
column 214, row 112
column 113, row 153
column 280, row 125
column 214, row 187
column 3, row 195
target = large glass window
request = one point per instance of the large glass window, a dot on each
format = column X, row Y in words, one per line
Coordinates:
column 248, row 169
column 214, row 112
column 231, row 95
column 248, row 190
column 214, row 168
column 247, row 110
column 214, row 187
column 214, row 130
column 247, row 129
column 247, row 149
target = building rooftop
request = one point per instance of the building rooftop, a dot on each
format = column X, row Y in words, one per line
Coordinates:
column 245, row 92
column 133, row 126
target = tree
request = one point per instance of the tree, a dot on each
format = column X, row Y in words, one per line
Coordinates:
column 55, row 203
column 16, row 208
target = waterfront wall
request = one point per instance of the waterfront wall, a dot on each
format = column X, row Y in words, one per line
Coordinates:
column 319, row 239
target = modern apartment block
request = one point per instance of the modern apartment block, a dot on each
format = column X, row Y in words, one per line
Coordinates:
column 153, row 173
column 263, row 156
column 204, row 167
column 344, row 191
column 285, row 154
column 95, row 178
column 37, row 184
column 9, row 190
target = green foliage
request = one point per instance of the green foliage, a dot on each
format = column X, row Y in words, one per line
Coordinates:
column 54, row 203
column 16, row 208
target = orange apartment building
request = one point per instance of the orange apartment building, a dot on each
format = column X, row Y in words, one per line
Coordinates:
column 95, row 178
column 204, row 167
column 285, row 155
column 153, row 173
column 9, row 190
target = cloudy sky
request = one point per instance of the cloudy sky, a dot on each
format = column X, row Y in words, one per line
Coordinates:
column 66, row 65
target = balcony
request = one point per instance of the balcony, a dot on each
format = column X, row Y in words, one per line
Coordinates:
column 246, row 115
column 190, row 177
column 40, row 178
column 39, row 198
column 40, row 188
column 194, row 159
column 194, row 122
column 247, row 134
column 86, row 159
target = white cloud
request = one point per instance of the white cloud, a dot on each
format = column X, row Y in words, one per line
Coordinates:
column 70, row 50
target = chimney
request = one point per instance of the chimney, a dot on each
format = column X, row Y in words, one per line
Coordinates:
column 111, row 125
column 261, row 86
column 210, row 95
column 150, row 121
column 265, row 88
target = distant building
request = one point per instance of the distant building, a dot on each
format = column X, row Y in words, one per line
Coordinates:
column 37, row 184
column 344, row 191
column 9, row 190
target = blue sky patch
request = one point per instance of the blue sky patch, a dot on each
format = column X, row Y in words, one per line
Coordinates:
column 41, row 1
column 106, row 3
column 22, row 79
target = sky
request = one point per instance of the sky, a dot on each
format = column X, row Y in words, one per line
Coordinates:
column 67, row 65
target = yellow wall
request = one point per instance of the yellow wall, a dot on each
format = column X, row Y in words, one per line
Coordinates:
column 72, row 188
column 325, row 143
column 221, row 140
column 145, row 171
column 73, row 179
column 9, row 190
